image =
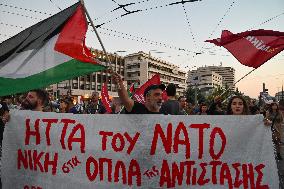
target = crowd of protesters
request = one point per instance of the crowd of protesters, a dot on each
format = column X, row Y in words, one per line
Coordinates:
column 39, row 100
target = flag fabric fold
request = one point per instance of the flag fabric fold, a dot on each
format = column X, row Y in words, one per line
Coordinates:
column 48, row 52
column 252, row 48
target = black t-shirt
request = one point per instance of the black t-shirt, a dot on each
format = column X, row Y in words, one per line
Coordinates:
column 170, row 107
column 3, row 108
column 139, row 108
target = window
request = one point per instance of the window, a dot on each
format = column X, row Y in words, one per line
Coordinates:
column 99, row 80
column 75, row 85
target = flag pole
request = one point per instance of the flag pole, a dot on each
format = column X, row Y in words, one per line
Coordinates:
column 97, row 34
column 238, row 81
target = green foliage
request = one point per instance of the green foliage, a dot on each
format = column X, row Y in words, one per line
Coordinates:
column 190, row 95
column 218, row 92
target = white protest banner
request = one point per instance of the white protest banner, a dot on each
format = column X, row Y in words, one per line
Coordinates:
column 66, row 151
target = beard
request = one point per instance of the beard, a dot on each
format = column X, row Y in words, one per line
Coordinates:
column 157, row 105
column 27, row 105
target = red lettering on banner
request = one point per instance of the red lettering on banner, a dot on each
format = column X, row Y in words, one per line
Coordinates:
column 215, row 131
column 248, row 176
column 74, row 162
column 226, row 174
column 258, row 169
column 214, row 170
column 48, row 127
column 153, row 172
column 109, row 168
column 177, row 141
column 194, row 175
column 168, row 144
column 132, row 141
column 36, row 160
column 51, row 162
column 64, row 130
column 118, row 137
column 30, row 133
column 32, row 187
column 92, row 162
column 94, row 167
column 177, row 174
column 32, row 160
column 165, row 174
column 120, row 166
column 167, row 141
column 104, row 138
column 22, row 159
column 188, row 165
column 201, row 180
column 201, row 128
column 118, row 143
column 238, row 182
column 81, row 139
column 134, row 171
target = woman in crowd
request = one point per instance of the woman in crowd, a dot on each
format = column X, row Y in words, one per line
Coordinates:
column 274, row 118
column 202, row 109
column 65, row 105
column 237, row 106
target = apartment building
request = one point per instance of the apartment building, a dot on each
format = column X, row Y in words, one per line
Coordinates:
column 139, row 67
column 212, row 76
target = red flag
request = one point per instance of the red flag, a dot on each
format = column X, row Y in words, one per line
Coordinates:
column 139, row 93
column 71, row 40
column 165, row 96
column 131, row 88
column 105, row 98
column 252, row 48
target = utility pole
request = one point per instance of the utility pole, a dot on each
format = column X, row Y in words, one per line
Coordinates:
column 195, row 95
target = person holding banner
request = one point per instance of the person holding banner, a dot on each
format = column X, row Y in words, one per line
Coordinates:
column 237, row 106
column 4, row 115
column 35, row 100
column 274, row 118
column 152, row 96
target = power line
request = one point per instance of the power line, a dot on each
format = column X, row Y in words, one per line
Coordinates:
column 147, row 40
column 218, row 24
column 120, row 7
column 11, row 25
column 25, row 9
column 268, row 20
column 13, row 13
column 189, row 25
column 55, row 5
column 140, row 10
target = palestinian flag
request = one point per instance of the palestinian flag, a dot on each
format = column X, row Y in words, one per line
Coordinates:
column 48, row 52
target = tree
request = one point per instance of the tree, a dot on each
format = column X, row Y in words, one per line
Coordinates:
column 190, row 95
column 219, row 91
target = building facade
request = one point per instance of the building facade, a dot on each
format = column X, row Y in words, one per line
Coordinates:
column 280, row 95
column 205, row 80
column 210, row 77
column 139, row 67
